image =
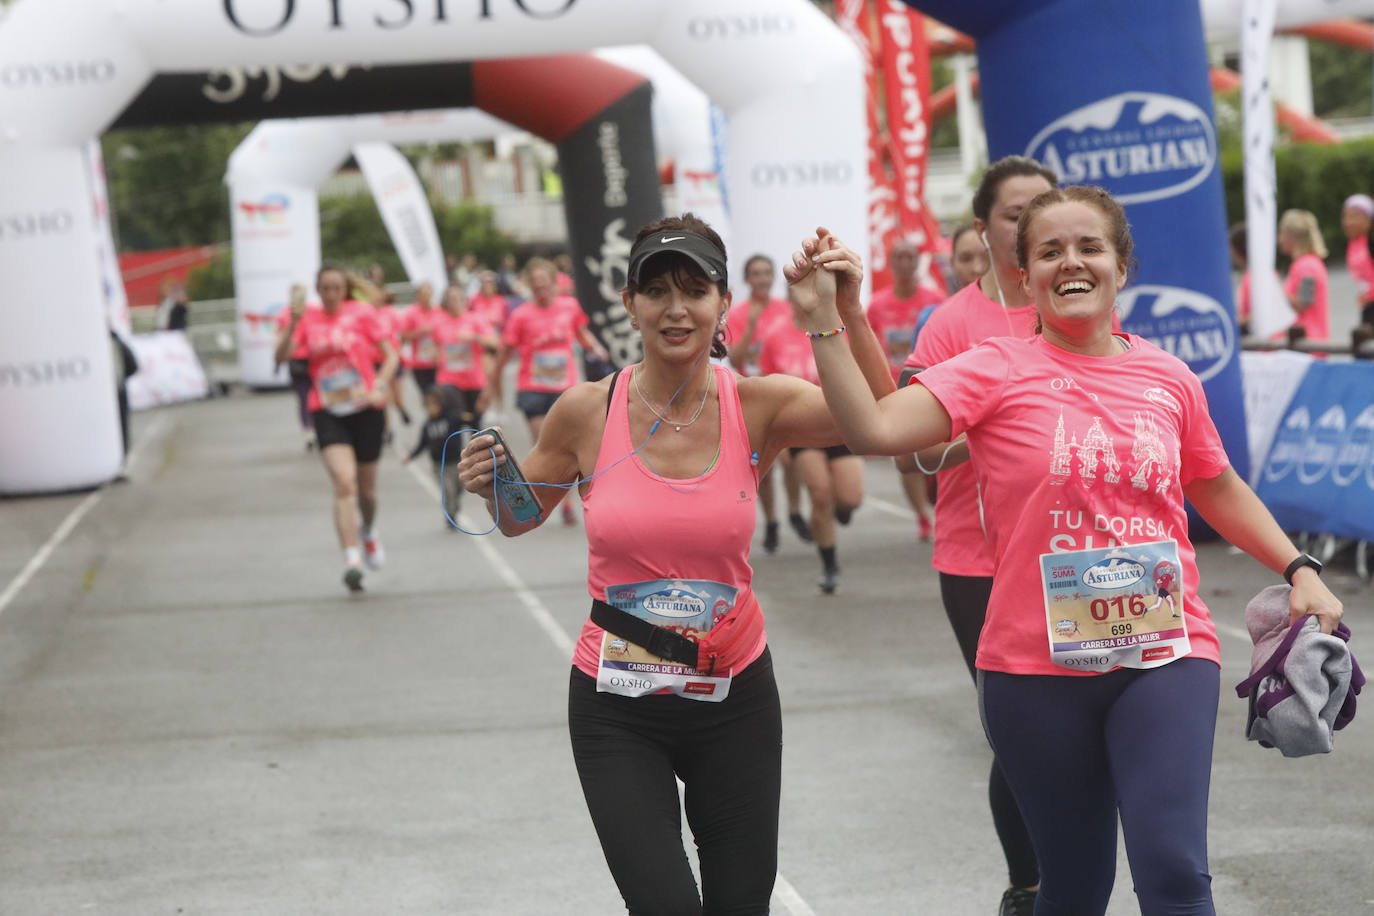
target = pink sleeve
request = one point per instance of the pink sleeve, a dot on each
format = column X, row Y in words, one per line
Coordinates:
column 1201, row 453
column 969, row 386
column 767, row 364
column 510, row 335
column 935, row 343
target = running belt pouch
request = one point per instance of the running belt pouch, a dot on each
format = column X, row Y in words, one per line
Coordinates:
column 660, row 641
column 1304, row 688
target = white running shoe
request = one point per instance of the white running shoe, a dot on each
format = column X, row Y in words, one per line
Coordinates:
column 373, row 553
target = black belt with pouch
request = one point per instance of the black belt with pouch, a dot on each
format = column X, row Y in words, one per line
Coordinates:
column 660, row 641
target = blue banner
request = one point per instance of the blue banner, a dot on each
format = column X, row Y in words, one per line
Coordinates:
column 1319, row 473
column 1124, row 103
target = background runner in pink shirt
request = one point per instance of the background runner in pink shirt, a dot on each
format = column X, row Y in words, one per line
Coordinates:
column 542, row 332
column 348, row 398
column 1083, row 433
column 748, row 322
column 1357, row 215
column 1306, row 284
column 417, row 333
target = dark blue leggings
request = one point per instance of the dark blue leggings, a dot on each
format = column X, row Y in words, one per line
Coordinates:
column 1078, row 751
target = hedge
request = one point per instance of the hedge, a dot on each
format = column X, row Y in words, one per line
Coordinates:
column 1309, row 176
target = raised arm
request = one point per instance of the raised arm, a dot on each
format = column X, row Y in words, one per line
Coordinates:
column 902, row 421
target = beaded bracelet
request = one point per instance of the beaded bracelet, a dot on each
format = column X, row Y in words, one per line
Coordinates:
column 818, row 335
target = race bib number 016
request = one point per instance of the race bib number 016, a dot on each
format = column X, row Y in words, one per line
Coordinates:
column 1115, row 606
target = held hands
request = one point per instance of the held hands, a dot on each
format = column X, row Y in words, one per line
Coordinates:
column 476, row 469
column 1311, row 596
column 824, row 279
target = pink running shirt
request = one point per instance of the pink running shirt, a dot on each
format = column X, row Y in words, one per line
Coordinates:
column 339, row 345
column 1075, row 452
column 640, row 529
column 493, row 308
column 460, row 353
column 787, row 351
column 544, row 338
column 777, row 311
column 894, row 321
column 967, row 319
column 283, row 320
column 1316, row 320
column 1361, row 268
column 424, row 351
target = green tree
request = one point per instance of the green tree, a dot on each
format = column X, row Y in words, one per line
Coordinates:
column 167, row 184
column 1342, row 81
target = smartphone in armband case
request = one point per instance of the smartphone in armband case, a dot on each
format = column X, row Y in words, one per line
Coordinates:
column 513, row 492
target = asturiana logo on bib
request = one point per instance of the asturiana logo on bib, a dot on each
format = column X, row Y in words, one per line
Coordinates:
column 674, row 602
column 1191, row 325
column 1141, row 146
column 1113, row 573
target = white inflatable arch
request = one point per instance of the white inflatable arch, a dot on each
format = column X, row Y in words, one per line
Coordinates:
column 789, row 82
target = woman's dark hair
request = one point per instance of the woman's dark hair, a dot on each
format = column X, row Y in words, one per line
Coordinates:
column 330, row 267
column 1001, row 170
column 1118, row 229
column 756, row 257
column 1238, row 239
column 958, row 231
column 681, row 268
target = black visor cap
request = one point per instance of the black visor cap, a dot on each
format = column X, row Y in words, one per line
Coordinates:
column 701, row 250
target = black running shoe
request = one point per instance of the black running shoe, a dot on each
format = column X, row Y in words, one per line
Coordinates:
column 770, row 537
column 1017, row 901
column 353, row 578
column 843, row 514
column 800, row 526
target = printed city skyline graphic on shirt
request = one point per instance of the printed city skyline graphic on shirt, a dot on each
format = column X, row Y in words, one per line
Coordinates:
column 1153, row 461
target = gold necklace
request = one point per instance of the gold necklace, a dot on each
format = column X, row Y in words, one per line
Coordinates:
column 677, row 427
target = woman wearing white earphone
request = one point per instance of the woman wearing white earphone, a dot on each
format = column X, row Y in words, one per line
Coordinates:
column 995, row 306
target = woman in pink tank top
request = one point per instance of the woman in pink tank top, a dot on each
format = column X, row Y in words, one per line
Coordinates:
column 672, row 676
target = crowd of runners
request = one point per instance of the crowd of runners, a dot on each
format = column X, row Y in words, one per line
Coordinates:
column 952, row 383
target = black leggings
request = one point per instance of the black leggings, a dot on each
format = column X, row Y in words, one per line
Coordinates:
column 729, row 757
column 966, row 605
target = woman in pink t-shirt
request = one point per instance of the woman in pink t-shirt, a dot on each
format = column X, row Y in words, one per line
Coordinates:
column 464, row 337
column 347, row 400
column 746, row 326
column 542, row 332
column 1085, row 443
column 1357, row 214
column 1306, row 285
column 417, row 333
column 666, row 455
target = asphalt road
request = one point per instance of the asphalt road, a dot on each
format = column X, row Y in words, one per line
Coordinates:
column 195, row 718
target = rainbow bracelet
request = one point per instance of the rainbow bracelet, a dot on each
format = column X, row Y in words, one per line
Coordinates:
column 819, row 335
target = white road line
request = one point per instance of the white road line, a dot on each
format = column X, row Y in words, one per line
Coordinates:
column 69, row 523
column 786, row 894
column 883, row 505
column 1238, row 632
column 783, row 892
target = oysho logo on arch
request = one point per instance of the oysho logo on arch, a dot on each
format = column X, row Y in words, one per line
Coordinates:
column 1191, row 325
column 741, row 25
column 50, row 74
column 35, row 224
column 1141, row 146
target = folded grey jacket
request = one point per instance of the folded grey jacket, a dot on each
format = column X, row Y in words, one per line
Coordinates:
column 1303, row 682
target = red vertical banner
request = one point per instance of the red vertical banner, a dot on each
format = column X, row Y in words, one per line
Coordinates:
column 906, row 74
column 884, row 227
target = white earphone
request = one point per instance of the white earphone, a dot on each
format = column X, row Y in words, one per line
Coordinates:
column 992, row 268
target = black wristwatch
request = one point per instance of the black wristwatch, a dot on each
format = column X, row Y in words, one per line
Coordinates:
column 1303, row 559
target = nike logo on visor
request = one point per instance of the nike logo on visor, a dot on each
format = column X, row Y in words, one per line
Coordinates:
column 665, row 240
